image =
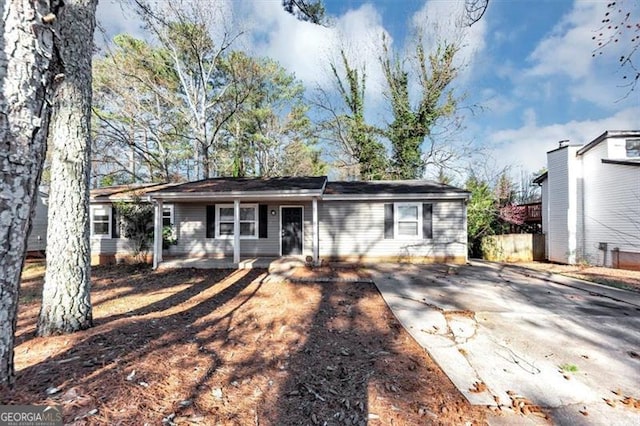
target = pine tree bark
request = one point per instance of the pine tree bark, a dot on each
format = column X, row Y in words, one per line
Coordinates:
column 66, row 302
column 26, row 55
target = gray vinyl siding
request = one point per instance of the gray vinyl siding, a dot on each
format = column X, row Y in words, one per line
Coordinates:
column 190, row 222
column 589, row 202
column 350, row 228
column 190, row 229
column 558, row 198
column 611, row 206
column 346, row 228
column 545, row 215
column 108, row 245
column 104, row 245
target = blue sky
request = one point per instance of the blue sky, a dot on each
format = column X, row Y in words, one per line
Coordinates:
column 527, row 63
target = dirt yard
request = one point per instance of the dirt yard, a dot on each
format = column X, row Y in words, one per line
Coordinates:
column 231, row 348
column 621, row 278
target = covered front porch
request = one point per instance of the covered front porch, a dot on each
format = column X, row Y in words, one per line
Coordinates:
column 238, row 222
column 239, row 232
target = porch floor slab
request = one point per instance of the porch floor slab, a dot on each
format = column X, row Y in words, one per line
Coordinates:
column 273, row 264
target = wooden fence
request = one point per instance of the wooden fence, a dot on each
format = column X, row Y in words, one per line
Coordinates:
column 513, row 247
column 626, row 260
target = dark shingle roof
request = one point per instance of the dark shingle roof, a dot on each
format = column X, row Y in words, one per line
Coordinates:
column 228, row 185
column 396, row 187
column 284, row 186
column 539, row 179
column 125, row 192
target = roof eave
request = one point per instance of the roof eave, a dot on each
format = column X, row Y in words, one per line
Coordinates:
column 389, row 196
column 621, row 162
column 606, row 135
column 113, row 199
column 541, row 178
column 253, row 195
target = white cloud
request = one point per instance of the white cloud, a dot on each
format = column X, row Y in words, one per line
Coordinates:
column 305, row 48
column 439, row 21
column 296, row 45
column 506, row 36
column 116, row 18
column 529, row 118
column 606, row 89
column 527, row 146
column 568, row 49
column 359, row 32
column 119, row 17
column 496, row 103
column 568, row 52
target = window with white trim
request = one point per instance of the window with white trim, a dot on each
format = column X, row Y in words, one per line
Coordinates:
column 167, row 215
column 248, row 221
column 408, row 220
column 101, row 221
column 633, row 148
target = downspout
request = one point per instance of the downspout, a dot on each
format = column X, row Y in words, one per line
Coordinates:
column 316, row 233
column 157, row 234
column 236, row 231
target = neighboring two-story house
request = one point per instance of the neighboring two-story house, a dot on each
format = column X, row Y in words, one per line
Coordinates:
column 591, row 201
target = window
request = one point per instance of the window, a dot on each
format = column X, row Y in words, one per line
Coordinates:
column 633, row 148
column 167, row 215
column 101, row 221
column 248, row 221
column 408, row 218
column 408, row 221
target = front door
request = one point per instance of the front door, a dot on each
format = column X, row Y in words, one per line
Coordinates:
column 291, row 227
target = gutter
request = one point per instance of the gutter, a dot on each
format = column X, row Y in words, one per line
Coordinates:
column 606, row 135
column 621, row 162
column 283, row 195
column 234, row 194
column 389, row 196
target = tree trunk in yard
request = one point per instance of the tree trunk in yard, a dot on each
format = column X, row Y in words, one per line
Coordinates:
column 66, row 304
column 26, row 56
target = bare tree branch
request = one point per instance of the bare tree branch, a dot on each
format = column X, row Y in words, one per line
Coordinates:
column 475, row 10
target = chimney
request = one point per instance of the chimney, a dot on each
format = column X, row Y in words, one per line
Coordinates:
column 563, row 143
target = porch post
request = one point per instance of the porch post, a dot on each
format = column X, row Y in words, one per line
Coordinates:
column 236, row 231
column 157, row 234
column 316, row 233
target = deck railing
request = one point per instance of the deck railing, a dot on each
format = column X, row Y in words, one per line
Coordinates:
column 534, row 212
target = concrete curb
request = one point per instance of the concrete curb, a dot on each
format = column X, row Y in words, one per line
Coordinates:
column 441, row 348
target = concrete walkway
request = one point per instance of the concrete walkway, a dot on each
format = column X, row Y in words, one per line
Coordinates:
column 273, row 264
column 501, row 333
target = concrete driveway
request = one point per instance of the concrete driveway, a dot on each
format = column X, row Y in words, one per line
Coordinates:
column 563, row 344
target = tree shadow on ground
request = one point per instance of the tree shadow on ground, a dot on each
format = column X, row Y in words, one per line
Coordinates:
column 236, row 348
column 93, row 366
column 330, row 375
column 128, row 284
column 358, row 366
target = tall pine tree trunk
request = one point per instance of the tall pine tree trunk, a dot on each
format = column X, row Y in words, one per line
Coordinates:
column 26, row 54
column 66, row 303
